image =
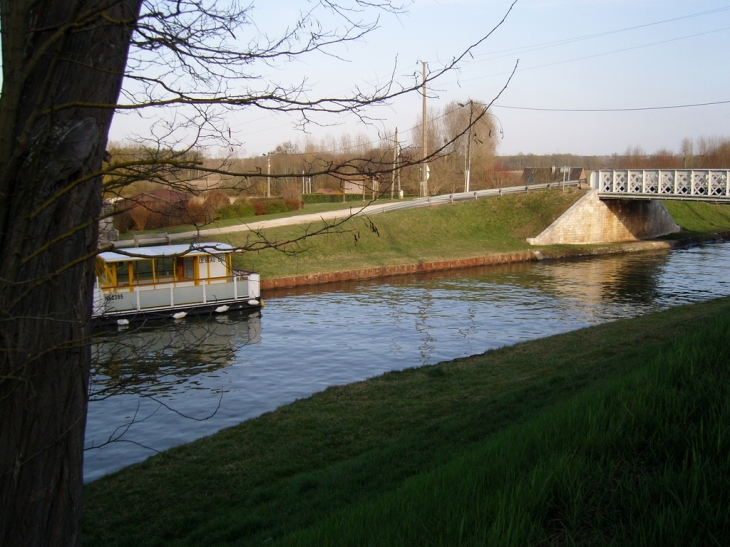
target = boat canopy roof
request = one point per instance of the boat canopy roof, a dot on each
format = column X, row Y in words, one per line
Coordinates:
column 159, row 251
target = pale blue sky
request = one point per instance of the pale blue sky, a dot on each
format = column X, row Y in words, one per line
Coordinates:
column 573, row 54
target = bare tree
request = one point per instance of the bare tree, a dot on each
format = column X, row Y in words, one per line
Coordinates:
column 63, row 68
column 474, row 149
column 450, row 131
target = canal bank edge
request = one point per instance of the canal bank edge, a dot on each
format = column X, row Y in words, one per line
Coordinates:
column 487, row 260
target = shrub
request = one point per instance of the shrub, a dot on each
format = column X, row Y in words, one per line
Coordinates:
column 240, row 208
column 141, row 217
column 123, row 222
column 293, row 204
column 330, row 198
column 269, row 206
column 195, row 213
column 217, row 199
column 292, row 197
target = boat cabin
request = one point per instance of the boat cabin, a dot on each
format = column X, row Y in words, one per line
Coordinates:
column 171, row 281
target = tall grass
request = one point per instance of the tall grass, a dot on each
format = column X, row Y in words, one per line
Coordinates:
column 640, row 460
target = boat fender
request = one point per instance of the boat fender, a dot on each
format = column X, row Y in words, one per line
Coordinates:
column 179, row 315
column 221, row 309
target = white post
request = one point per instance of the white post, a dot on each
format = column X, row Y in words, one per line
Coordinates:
column 395, row 164
column 268, row 175
column 467, row 171
column 424, row 176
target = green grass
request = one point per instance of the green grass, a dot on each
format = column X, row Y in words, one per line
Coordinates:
column 640, row 460
column 700, row 218
column 445, row 232
column 613, row 435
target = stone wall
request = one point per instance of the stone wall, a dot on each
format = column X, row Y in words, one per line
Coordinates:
column 396, row 269
column 591, row 220
column 107, row 233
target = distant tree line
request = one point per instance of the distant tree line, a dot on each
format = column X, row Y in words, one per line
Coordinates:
column 286, row 169
column 704, row 153
column 288, row 166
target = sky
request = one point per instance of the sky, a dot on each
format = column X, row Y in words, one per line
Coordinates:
column 592, row 77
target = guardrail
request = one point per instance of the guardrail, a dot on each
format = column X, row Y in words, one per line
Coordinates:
column 150, row 239
column 469, row 196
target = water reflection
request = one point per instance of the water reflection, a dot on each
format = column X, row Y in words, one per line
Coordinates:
column 152, row 358
column 339, row 333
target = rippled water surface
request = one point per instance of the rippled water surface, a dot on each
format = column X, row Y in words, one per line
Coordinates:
column 196, row 377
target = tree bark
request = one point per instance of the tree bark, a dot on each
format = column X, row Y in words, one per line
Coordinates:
column 60, row 61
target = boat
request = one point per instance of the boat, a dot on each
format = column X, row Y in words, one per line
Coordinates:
column 171, row 281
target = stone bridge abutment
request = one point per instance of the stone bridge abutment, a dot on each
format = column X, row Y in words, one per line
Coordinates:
column 592, row 220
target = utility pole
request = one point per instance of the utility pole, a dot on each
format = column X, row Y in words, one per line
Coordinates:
column 424, row 167
column 467, row 160
column 467, row 171
column 395, row 167
column 268, row 174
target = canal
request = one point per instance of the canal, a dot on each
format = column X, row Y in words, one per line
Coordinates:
column 161, row 385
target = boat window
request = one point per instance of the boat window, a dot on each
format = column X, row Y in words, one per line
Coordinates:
column 143, row 271
column 122, row 272
column 189, row 268
column 164, row 267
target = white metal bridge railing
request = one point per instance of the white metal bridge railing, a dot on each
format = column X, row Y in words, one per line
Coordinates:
column 681, row 184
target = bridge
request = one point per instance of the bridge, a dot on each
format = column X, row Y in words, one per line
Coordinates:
column 711, row 185
column 625, row 205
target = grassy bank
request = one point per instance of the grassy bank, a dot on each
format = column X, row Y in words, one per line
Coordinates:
column 444, row 232
column 699, row 218
column 616, row 434
column 640, row 460
column 447, row 232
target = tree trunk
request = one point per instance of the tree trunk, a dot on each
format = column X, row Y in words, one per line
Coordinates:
column 59, row 59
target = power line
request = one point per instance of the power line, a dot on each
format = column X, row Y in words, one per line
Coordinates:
column 637, row 109
column 600, row 54
column 545, row 45
column 629, row 48
column 535, row 47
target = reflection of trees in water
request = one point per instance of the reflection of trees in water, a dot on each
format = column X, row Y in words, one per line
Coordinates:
column 427, row 346
column 628, row 277
column 619, row 279
column 636, row 281
column 585, row 286
column 154, row 357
